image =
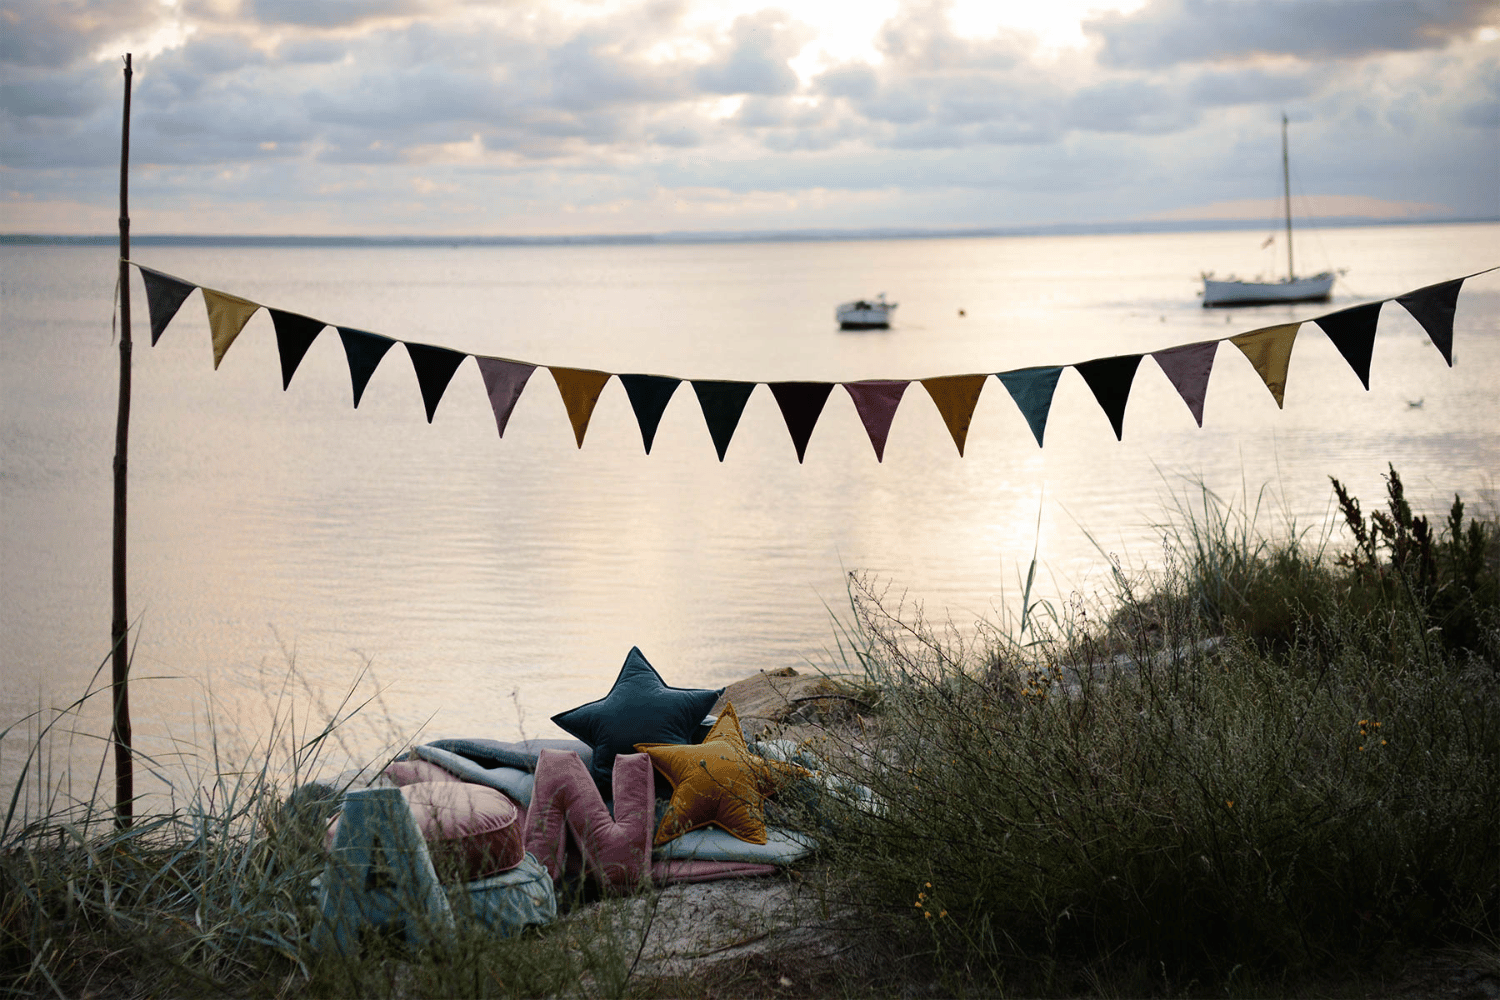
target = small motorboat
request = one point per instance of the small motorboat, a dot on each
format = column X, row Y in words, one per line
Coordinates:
column 866, row 314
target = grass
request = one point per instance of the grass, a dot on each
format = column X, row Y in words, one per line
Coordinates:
column 1265, row 761
column 1266, row 767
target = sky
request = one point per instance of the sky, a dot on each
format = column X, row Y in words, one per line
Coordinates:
column 459, row 117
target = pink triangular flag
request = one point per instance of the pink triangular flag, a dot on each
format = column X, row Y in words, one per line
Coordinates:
column 503, row 380
column 1188, row 368
column 876, row 400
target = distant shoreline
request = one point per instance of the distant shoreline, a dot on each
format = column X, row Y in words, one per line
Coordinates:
column 678, row 238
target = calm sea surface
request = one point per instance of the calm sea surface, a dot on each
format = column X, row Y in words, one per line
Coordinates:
column 491, row 583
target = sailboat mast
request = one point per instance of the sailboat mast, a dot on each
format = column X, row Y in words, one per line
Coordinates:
column 1286, row 189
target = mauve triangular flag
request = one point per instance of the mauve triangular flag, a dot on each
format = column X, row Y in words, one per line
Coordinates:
column 875, row 400
column 1187, row 368
column 722, row 403
column 956, row 397
column 1270, row 351
column 503, row 381
column 294, row 335
column 227, row 316
column 580, row 389
column 801, row 404
column 1353, row 333
column 1109, row 379
column 1032, row 389
column 364, row 351
column 164, row 296
column 434, row 367
column 1434, row 307
column 649, row 395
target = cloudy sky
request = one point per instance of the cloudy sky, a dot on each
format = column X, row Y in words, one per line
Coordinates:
column 624, row 116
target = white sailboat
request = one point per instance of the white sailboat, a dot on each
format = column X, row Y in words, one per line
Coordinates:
column 1234, row 292
column 865, row 314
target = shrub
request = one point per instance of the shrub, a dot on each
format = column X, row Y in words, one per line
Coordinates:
column 1222, row 797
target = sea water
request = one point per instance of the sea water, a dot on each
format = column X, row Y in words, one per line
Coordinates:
column 283, row 543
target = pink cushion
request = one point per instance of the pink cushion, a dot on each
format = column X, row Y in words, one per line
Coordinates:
column 471, row 831
column 409, row 772
column 566, row 806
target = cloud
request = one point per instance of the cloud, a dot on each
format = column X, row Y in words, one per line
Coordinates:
column 327, row 13
column 54, row 33
column 1167, row 32
column 756, row 60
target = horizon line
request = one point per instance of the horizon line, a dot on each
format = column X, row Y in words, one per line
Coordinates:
column 1142, row 227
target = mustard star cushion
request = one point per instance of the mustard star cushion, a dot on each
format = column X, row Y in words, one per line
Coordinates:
column 718, row 781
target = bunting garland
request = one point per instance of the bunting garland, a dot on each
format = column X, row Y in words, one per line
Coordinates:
column 1188, row 367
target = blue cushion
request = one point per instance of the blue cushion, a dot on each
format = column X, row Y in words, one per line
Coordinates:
column 511, row 780
column 710, row 843
column 640, row 708
column 500, row 753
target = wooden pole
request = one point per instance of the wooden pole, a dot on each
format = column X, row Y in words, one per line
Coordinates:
column 120, row 626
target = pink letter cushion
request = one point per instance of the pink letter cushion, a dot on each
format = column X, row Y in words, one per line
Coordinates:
column 414, row 770
column 472, row 831
column 616, row 849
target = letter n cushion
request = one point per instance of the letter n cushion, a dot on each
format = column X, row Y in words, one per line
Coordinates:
column 616, row 849
column 471, row 831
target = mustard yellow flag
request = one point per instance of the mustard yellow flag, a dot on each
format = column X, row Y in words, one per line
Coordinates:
column 580, row 389
column 1270, row 351
column 227, row 316
column 956, row 397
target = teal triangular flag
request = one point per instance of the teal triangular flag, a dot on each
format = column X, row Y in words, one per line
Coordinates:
column 1434, row 307
column 1110, row 379
column 434, row 367
column 1032, row 389
column 649, row 395
column 294, row 335
column 722, row 404
column 1353, row 333
column 364, row 351
column 164, row 296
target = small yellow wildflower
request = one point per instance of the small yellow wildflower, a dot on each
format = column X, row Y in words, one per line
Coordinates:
column 1229, row 803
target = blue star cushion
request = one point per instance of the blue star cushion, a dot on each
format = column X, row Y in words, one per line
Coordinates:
column 640, row 708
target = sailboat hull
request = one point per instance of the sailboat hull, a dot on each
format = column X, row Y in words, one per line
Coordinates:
column 1256, row 293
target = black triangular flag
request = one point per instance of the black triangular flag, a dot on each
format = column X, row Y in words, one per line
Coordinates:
column 294, row 335
column 722, row 404
column 1110, row 380
column 1353, row 333
column 1434, row 307
column 435, row 367
column 164, row 296
column 801, row 404
column 649, row 395
column 364, row 351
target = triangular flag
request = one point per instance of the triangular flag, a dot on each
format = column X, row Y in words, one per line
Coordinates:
column 164, row 296
column 364, row 351
column 434, row 367
column 956, row 396
column 227, row 316
column 503, row 381
column 1434, row 307
column 1032, row 389
column 648, row 398
column 801, row 404
column 722, row 404
column 1110, row 379
column 294, row 335
column 1187, row 368
column 1353, row 333
column 580, row 389
column 1270, row 351
column 876, row 400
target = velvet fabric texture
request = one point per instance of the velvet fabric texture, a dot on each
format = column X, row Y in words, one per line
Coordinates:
column 564, row 802
column 718, row 781
column 471, row 831
column 640, row 708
